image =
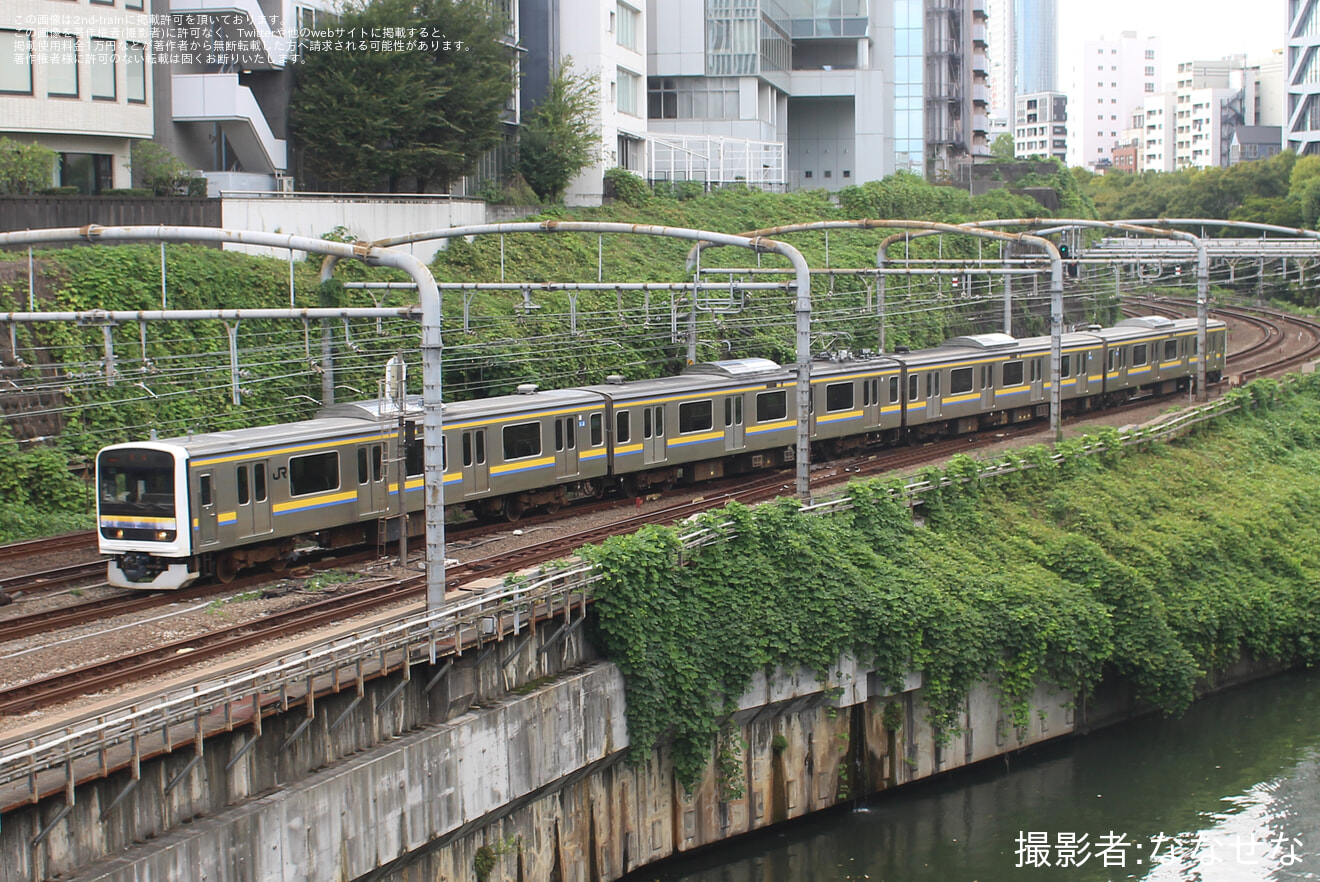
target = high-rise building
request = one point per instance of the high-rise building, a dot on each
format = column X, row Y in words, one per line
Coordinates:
column 1040, row 125
column 1036, row 46
column 1114, row 77
column 77, row 78
column 1302, row 128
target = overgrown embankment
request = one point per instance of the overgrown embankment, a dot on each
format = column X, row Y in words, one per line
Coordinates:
column 1154, row 565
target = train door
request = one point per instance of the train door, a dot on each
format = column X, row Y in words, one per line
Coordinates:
column 476, row 471
column 734, row 428
column 566, row 454
column 987, row 387
column 1075, row 368
column 933, row 397
column 1037, row 378
column 260, row 498
column 653, row 434
column 206, row 517
column 373, row 494
column 870, row 403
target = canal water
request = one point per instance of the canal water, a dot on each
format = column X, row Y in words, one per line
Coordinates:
column 1228, row 792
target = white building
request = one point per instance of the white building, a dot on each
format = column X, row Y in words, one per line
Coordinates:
column 76, row 77
column 1114, row 76
column 603, row 37
column 1302, row 127
column 1161, row 122
column 1040, row 125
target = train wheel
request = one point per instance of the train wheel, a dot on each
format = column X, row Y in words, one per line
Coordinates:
column 279, row 564
column 226, row 569
column 514, row 509
column 553, row 507
column 593, row 489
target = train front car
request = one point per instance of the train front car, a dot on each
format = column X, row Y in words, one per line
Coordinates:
column 142, row 515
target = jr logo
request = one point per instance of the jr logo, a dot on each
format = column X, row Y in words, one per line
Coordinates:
column 281, row 472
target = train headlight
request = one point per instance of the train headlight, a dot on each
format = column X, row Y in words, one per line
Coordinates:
column 161, row 535
column 119, row 534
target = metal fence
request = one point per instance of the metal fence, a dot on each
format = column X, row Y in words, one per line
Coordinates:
column 50, row 212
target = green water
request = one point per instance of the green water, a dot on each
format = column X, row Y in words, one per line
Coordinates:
column 1229, row 792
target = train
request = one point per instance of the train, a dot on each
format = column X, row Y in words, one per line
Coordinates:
column 208, row 505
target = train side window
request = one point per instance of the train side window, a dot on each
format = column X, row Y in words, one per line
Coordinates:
column 243, row 497
column 1191, row 346
column 206, row 490
column 660, row 421
column 621, row 428
column 467, row 449
column 597, row 431
column 314, row 473
column 838, row 396
column 559, row 435
column 362, row 465
column 875, row 391
column 522, row 440
column 960, row 381
column 893, row 390
column 695, row 416
column 1170, row 350
column 912, row 386
column 1035, row 369
column 771, row 406
column 1065, row 366
column 728, row 412
column 1012, row 373
column 481, row 446
column 259, row 478
column 412, row 456
column 1122, row 358
column 646, row 422
column 1111, row 360
column 1139, row 355
column 570, row 430
column 866, row 393
column 377, row 463
column 737, row 411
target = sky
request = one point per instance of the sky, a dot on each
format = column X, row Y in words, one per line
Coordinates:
column 1188, row 29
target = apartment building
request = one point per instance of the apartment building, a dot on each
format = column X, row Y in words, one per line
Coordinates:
column 1041, row 125
column 77, row 76
column 1302, row 128
column 1115, row 76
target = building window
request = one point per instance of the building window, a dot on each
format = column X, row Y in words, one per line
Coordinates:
column 1150, row 53
column 135, row 72
column 103, row 2
column 807, row 173
column 627, row 30
column 1150, row 87
column 16, row 62
column 102, row 70
column 629, row 83
column 1150, row 71
column 61, row 63
column 132, row 4
column 692, row 97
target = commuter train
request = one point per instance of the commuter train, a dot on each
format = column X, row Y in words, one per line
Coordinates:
column 171, row 511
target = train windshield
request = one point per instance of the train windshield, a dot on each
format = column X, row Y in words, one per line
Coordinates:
column 136, row 482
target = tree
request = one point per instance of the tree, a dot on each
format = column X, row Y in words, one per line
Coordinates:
column 159, row 170
column 559, row 138
column 414, row 114
column 1002, row 148
column 25, row 168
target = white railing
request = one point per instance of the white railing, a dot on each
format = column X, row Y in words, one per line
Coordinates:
column 47, row 759
column 715, row 160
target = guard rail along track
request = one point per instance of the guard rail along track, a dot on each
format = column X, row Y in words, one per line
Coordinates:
column 186, row 715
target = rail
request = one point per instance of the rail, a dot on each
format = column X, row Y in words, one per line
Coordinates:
column 202, row 709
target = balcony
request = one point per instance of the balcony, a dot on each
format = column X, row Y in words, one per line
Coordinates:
column 274, row 46
column 218, row 98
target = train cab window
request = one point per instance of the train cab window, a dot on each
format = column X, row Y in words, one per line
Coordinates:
column 362, row 465
column 1139, row 355
column 1012, row 373
column 243, row 490
column 771, row 406
column 838, row 396
column 695, row 416
column 1170, row 350
column 259, row 480
column 206, row 490
column 522, row 441
column 893, row 390
column 621, row 428
column 597, row 431
column 912, row 386
column 314, row 473
column 960, row 381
